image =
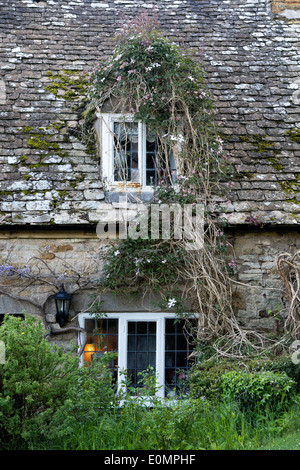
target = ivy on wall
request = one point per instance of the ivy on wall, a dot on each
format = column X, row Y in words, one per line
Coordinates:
column 163, row 84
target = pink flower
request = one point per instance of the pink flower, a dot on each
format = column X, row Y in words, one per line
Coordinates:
column 119, row 78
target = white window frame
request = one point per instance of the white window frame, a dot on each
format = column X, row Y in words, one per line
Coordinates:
column 105, row 131
column 107, row 121
column 124, row 318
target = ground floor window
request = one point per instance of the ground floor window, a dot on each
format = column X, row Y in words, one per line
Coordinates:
column 141, row 340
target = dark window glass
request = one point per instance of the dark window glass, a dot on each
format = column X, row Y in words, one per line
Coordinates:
column 178, row 348
column 126, row 157
column 141, row 350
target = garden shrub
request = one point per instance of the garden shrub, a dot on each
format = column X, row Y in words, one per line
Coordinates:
column 259, row 390
column 205, row 378
column 43, row 391
column 285, row 364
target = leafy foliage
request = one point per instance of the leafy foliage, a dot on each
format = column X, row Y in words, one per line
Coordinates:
column 43, row 392
column 206, row 377
column 259, row 389
column 137, row 263
column 164, row 86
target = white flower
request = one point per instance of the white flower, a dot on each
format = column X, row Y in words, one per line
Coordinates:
column 116, row 253
column 191, row 78
column 171, row 303
column 178, row 138
column 164, row 261
column 118, row 57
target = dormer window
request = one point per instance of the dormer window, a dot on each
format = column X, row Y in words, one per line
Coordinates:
column 131, row 155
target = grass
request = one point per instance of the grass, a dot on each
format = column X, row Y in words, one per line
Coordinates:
column 286, row 442
column 190, row 425
column 288, row 438
column 187, row 425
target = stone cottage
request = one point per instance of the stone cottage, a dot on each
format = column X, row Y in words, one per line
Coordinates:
column 51, row 180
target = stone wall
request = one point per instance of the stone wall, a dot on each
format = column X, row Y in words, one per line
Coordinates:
column 258, row 298
column 250, row 54
column 50, row 178
column 260, row 301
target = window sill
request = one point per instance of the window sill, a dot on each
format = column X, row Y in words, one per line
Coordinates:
column 133, row 196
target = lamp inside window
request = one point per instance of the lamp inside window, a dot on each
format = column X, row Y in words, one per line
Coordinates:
column 102, row 338
column 147, row 340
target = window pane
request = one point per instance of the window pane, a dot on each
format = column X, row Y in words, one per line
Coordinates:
column 142, row 360
column 102, row 337
column 131, row 343
column 142, row 343
column 130, row 360
column 151, row 159
column 131, row 327
column 152, row 327
column 170, row 342
column 159, row 164
column 141, row 349
column 126, row 158
column 152, row 342
column 141, row 327
column 177, row 351
column 90, row 326
column 181, row 342
column 113, row 326
column 170, row 359
column 151, row 142
column 151, row 177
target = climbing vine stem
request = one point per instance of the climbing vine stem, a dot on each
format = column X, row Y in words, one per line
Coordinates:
column 163, row 85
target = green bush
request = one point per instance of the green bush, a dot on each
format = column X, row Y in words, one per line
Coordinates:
column 285, row 364
column 259, row 390
column 43, row 391
column 206, row 378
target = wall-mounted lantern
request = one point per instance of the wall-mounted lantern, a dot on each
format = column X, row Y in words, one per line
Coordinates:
column 62, row 302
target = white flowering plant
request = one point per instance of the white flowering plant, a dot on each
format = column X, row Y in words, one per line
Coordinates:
column 142, row 263
column 163, row 85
